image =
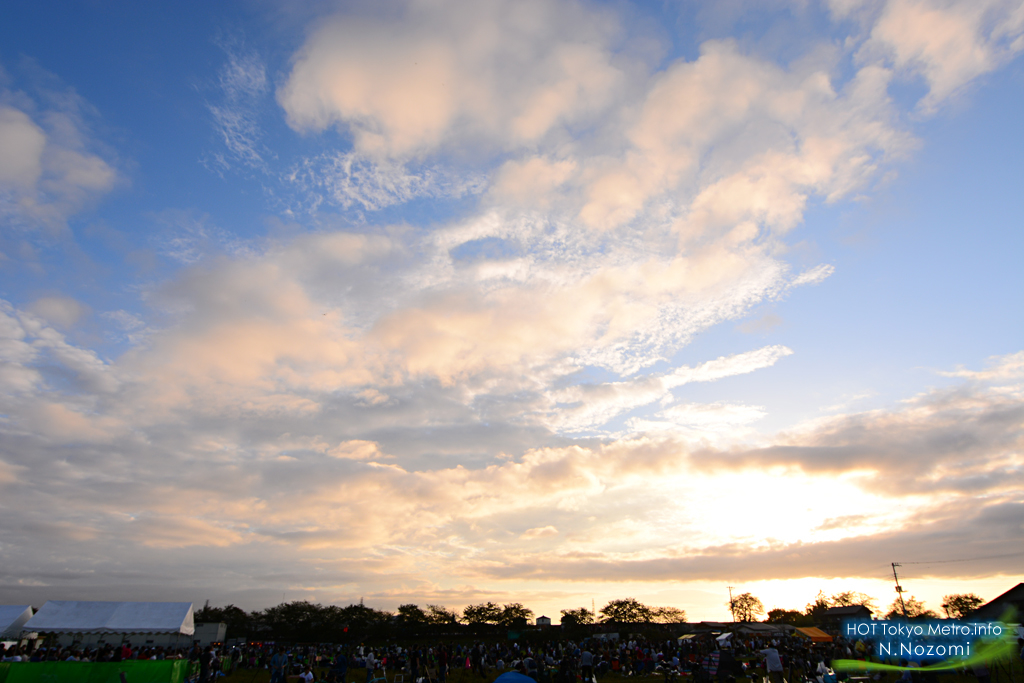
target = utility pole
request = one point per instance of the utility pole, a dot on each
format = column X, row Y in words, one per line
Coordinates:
column 899, row 588
column 732, row 605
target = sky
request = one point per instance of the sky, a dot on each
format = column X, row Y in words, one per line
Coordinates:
column 538, row 301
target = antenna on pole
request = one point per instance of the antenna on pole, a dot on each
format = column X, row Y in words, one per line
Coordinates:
column 899, row 588
column 732, row 604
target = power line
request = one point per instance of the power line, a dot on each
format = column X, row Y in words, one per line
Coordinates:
column 966, row 559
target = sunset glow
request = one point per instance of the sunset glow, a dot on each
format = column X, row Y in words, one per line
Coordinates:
column 539, row 301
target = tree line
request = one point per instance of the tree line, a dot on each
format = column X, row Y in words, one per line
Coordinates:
column 303, row 621
column 746, row 607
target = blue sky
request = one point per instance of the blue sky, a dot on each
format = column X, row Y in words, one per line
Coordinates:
column 413, row 301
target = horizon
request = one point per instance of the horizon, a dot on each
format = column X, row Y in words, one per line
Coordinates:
column 540, row 301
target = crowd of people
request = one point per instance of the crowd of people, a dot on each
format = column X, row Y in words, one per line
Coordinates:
column 703, row 658
column 564, row 661
column 103, row 653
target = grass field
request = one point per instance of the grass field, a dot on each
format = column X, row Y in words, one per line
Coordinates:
column 1007, row 673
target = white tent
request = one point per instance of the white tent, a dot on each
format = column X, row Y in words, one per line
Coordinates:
column 12, row 620
column 73, row 616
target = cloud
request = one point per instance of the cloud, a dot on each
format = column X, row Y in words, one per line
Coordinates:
column 23, row 142
column 148, row 476
column 49, row 169
column 960, row 440
column 948, row 43
column 242, row 83
column 586, row 406
column 764, row 324
column 452, row 72
column 539, row 532
column 61, row 311
column 502, row 372
column 1003, row 368
column 349, row 180
column 981, row 537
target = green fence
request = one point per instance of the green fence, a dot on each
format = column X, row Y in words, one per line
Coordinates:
column 167, row 671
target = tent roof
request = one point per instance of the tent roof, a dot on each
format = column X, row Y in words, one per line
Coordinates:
column 74, row 616
column 846, row 610
column 13, row 617
column 815, row 634
column 513, row 677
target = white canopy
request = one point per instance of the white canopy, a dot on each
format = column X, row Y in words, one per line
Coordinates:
column 74, row 616
column 13, row 618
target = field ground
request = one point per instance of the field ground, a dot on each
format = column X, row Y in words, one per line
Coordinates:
column 1003, row 674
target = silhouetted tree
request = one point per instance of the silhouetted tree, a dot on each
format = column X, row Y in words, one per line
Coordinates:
column 439, row 615
column 845, row 599
column 788, row 616
column 668, row 615
column 915, row 609
column 627, row 611
column 959, row 605
column 577, row 617
column 514, row 614
column 484, row 613
column 745, row 607
column 851, row 598
column 240, row 624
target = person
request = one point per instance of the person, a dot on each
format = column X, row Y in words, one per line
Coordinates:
column 587, row 665
column 307, row 675
column 279, row 667
column 340, row 667
column 442, row 664
column 206, row 664
column 371, row 663
column 773, row 663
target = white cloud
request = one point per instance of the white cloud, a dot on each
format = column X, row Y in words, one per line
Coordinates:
column 302, row 466
column 243, row 83
column 496, row 72
column 583, row 407
column 21, row 148
column 61, row 311
column 349, row 180
column 948, row 43
column 48, row 170
column 305, row 396
column 814, row 275
column 539, row 532
column 1004, row 368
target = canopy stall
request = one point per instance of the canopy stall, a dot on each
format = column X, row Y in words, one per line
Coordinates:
column 815, row 635
column 76, row 619
column 760, row 629
column 12, row 620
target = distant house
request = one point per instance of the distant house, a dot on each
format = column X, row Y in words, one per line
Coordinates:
column 543, row 621
column 832, row 619
column 1012, row 599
